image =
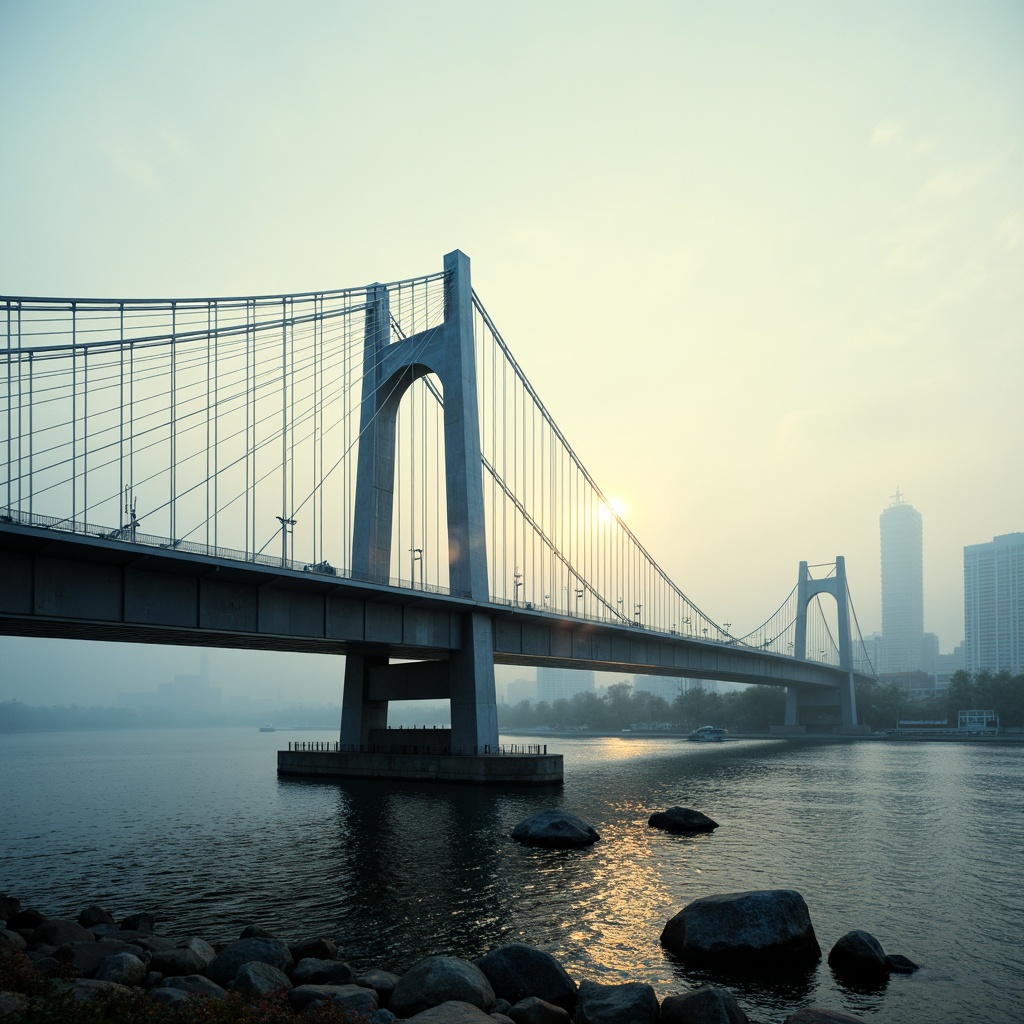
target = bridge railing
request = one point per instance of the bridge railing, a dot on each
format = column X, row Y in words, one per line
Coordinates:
column 327, row 747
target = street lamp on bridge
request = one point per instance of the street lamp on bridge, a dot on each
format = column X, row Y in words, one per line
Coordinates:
column 285, row 523
column 416, row 556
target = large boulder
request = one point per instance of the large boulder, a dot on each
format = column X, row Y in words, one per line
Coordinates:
column 25, row 920
column 532, row 1010
column 858, row 958
column 87, row 956
column 320, row 949
column 139, row 922
column 93, row 916
column 441, row 979
column 452, row 1012
column 198, row 946
column 9, row 906
column 194, row 984
column 86, row 990
column 739, row 931
column 556, row 829
column 57, row 932
column 518, row 971
column 705, row 1005
column 178, row 961
column 256, row 979
column 11, row 943
column 632, row 1002
column 122, row 968
column 382, row 982
column 358, row 1001
column 322, row 972
column 682, row 819
column 223, row 967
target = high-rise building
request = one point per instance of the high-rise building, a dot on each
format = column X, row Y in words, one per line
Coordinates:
column 994, row 605
column 558, row 683
column 902, row 587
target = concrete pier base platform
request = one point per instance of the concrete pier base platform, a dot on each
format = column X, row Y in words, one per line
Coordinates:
column 479, row 769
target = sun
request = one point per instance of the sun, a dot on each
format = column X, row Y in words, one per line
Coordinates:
column 611, row 510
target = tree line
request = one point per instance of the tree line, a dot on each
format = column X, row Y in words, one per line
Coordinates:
column 755, row 709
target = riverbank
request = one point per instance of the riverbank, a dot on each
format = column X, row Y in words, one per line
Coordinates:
column 123, row 972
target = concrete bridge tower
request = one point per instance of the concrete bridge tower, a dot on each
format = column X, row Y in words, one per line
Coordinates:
column 467, row 678
column 840, row 705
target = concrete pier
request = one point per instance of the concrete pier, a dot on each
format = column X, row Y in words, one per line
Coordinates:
column 479, row 769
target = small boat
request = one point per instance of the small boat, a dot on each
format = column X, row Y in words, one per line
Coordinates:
column 267, row 728
column 707, row 734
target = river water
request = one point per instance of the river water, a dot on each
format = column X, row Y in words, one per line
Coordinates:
column 921, row 844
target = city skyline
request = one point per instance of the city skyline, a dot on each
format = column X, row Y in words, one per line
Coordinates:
column 762, row 265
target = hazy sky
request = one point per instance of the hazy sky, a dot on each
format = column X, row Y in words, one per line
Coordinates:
column 776, row 249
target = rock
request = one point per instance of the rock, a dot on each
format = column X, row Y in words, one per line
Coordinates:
column 199, row 946
column 501, row 1018
column 254, row 931
column 140, row 922
column 194, row 984
column 630, row 1003
column 556, row 829
column 353, row 998
column 323, row 972
column 178, row 961
column 682, row 819
column 858, row 957
column 223, row 966
column 170, row 996
column 382, row 1016
column 57, row 932
column 87, row 956
column 452, row 1012
column 93, row 915
column 900, row 964
column 85, row 990
column 816, row 1015
column 319, row 949
column 123, row 968
column 11, row 943
column 154, row 943
column 152, row 979
column 745, row 930
column 534, row 1010
column 9, row 907
column 256, row 979
column 25, row 920
column 12, row 1002
column 517, row 971
column 705, row 1005
column 441, row 979
column 382, row 982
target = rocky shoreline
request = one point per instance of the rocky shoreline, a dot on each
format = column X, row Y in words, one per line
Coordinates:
column 103, row 963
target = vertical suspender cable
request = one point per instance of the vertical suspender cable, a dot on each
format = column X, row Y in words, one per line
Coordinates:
column 174, row 424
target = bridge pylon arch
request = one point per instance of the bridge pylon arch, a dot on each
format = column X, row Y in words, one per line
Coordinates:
column 389, row 368
column 803, row 706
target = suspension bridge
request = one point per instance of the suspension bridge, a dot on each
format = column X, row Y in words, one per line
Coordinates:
column 368, row 472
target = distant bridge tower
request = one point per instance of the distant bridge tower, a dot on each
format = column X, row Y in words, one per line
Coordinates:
column 841, row 703
column 467, row 678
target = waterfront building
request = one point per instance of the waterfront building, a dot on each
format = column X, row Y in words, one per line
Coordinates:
column 902, row 549
column 994, row 605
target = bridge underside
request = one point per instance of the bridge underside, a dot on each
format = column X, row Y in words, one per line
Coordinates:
column 88, row 588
